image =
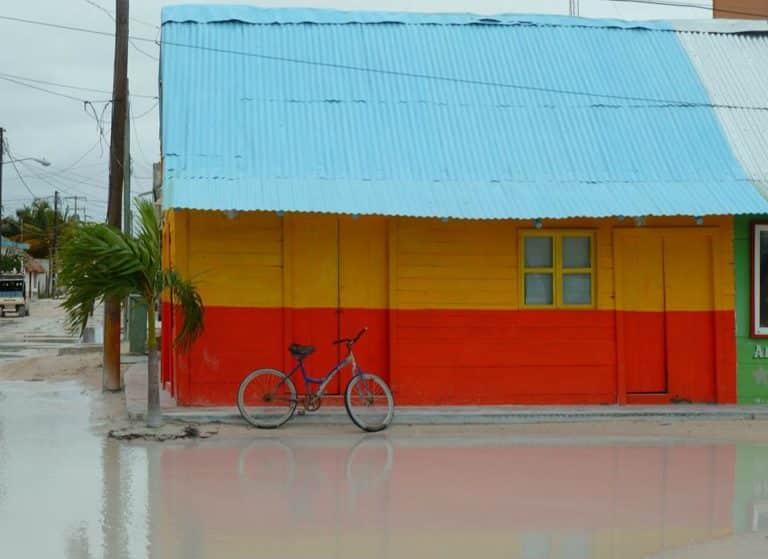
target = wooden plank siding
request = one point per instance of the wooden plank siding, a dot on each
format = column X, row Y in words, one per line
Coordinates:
column 441, row 299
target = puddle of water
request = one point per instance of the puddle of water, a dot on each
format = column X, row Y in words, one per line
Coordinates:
column 66, row 491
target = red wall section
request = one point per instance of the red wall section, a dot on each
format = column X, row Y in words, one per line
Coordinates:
column 238, row 340
column 504, row 357
column 464, row 356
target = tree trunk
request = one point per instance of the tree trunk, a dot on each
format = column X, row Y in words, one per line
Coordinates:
column 111, row 377
column 154, row 418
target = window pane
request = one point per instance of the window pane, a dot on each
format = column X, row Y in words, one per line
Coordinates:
column 576, row 252
column 538, row 252
column 763, row 285
column 577, row 289
column 538, row 289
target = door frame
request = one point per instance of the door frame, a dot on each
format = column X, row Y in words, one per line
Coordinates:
column 623, row 396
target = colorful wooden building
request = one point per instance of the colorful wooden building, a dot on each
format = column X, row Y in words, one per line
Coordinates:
column 522, row 209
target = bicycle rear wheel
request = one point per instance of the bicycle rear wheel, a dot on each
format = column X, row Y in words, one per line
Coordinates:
column 369, row 402
column 266, row 398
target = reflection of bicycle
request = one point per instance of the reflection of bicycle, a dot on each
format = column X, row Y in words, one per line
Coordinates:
column 367, row 466
column 272, row 463
column 269, row 462
column 267, row 397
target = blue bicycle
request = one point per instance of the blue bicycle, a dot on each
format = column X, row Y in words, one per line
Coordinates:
column 267, row 397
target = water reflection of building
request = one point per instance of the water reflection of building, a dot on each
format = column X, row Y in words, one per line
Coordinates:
column 294, row 497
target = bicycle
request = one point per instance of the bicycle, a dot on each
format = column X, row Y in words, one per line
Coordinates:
column 267, row 398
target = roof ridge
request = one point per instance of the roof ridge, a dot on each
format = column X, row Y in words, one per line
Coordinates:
column 222, row 13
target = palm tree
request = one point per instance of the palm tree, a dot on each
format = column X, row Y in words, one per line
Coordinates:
column 39, row 224
column 99, row 261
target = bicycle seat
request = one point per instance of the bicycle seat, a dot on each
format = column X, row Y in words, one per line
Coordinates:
column 301, row 351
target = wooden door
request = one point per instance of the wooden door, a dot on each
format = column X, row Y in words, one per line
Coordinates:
column 640, row 311
column 312, row 291
column 665, row 315
column 689, row 313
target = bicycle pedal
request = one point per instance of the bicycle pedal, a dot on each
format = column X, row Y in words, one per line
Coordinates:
column 301, row 412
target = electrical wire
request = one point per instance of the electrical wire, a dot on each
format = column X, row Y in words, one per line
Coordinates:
column 79, row 99
column 15, row 168
column 135, row 134
column 145, row 113
column 417, row 75
column 67, row 86
column 110, row 14
column 79, row 159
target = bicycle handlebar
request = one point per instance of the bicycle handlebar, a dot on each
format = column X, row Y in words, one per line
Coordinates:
column 351, row 341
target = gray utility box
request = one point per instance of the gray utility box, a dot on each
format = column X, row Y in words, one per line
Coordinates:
column 137, row 325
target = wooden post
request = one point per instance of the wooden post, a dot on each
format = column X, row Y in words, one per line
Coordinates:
column 112, row 378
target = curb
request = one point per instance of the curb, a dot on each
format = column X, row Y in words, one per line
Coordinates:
column 77, row 349
column 480, row 417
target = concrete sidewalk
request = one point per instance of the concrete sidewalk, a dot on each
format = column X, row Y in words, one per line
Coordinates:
column 136, row 402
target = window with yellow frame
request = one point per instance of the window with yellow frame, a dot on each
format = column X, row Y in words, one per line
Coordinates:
column 557, row 269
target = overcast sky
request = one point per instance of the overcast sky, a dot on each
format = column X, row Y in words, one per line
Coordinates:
column 60, row 129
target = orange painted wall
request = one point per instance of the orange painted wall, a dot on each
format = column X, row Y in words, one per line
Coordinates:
column 442, row 301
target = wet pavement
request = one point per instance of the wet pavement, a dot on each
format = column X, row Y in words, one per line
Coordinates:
column 66, row 490
column 42, row 333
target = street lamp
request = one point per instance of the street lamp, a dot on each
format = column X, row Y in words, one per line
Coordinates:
column 43, row 161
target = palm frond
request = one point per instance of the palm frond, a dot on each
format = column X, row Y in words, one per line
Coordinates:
column 188, row 298
column 98, row 261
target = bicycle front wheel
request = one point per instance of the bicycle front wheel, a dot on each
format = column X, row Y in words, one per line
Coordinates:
column 369, row 402
column 266, row 398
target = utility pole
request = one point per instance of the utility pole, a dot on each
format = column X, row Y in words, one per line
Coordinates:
column 2, row 150
column 127, row 203
column 127, row 222
column 112, row 378
column 54, row 244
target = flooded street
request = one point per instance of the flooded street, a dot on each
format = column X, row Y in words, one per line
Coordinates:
column 66, row 490
column 41, row 333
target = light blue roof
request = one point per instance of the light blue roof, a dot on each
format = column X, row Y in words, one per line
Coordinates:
column 438, row 115
column 7, row 243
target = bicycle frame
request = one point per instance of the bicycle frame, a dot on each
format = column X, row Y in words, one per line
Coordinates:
column 321, row 383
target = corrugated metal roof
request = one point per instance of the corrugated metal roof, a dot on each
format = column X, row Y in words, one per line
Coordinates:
column 439, row 115
column 733, row 70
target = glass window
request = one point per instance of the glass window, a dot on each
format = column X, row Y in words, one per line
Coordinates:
column 538, row 289
column 577, row 289
column 538, row 252
column 760, row 280
column 577, row 252
column 557, row 269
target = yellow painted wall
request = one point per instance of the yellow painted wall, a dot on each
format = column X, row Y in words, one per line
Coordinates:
column 259, row 259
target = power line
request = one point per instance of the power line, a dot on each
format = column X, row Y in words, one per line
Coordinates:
column 45, row 90
column 672, row 4
column 15, row 168
column 66, row 86
column 112, row 17
column 417, row 75
column 138, row 142
column 145, row 113
column 79, row 159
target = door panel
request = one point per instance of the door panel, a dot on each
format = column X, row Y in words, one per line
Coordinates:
column 640, row 286
column 665, row 304
column 689, row 294
column 312, row 317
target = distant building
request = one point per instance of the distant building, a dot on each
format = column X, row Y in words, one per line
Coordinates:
column 740, row 9
column 523, row 209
